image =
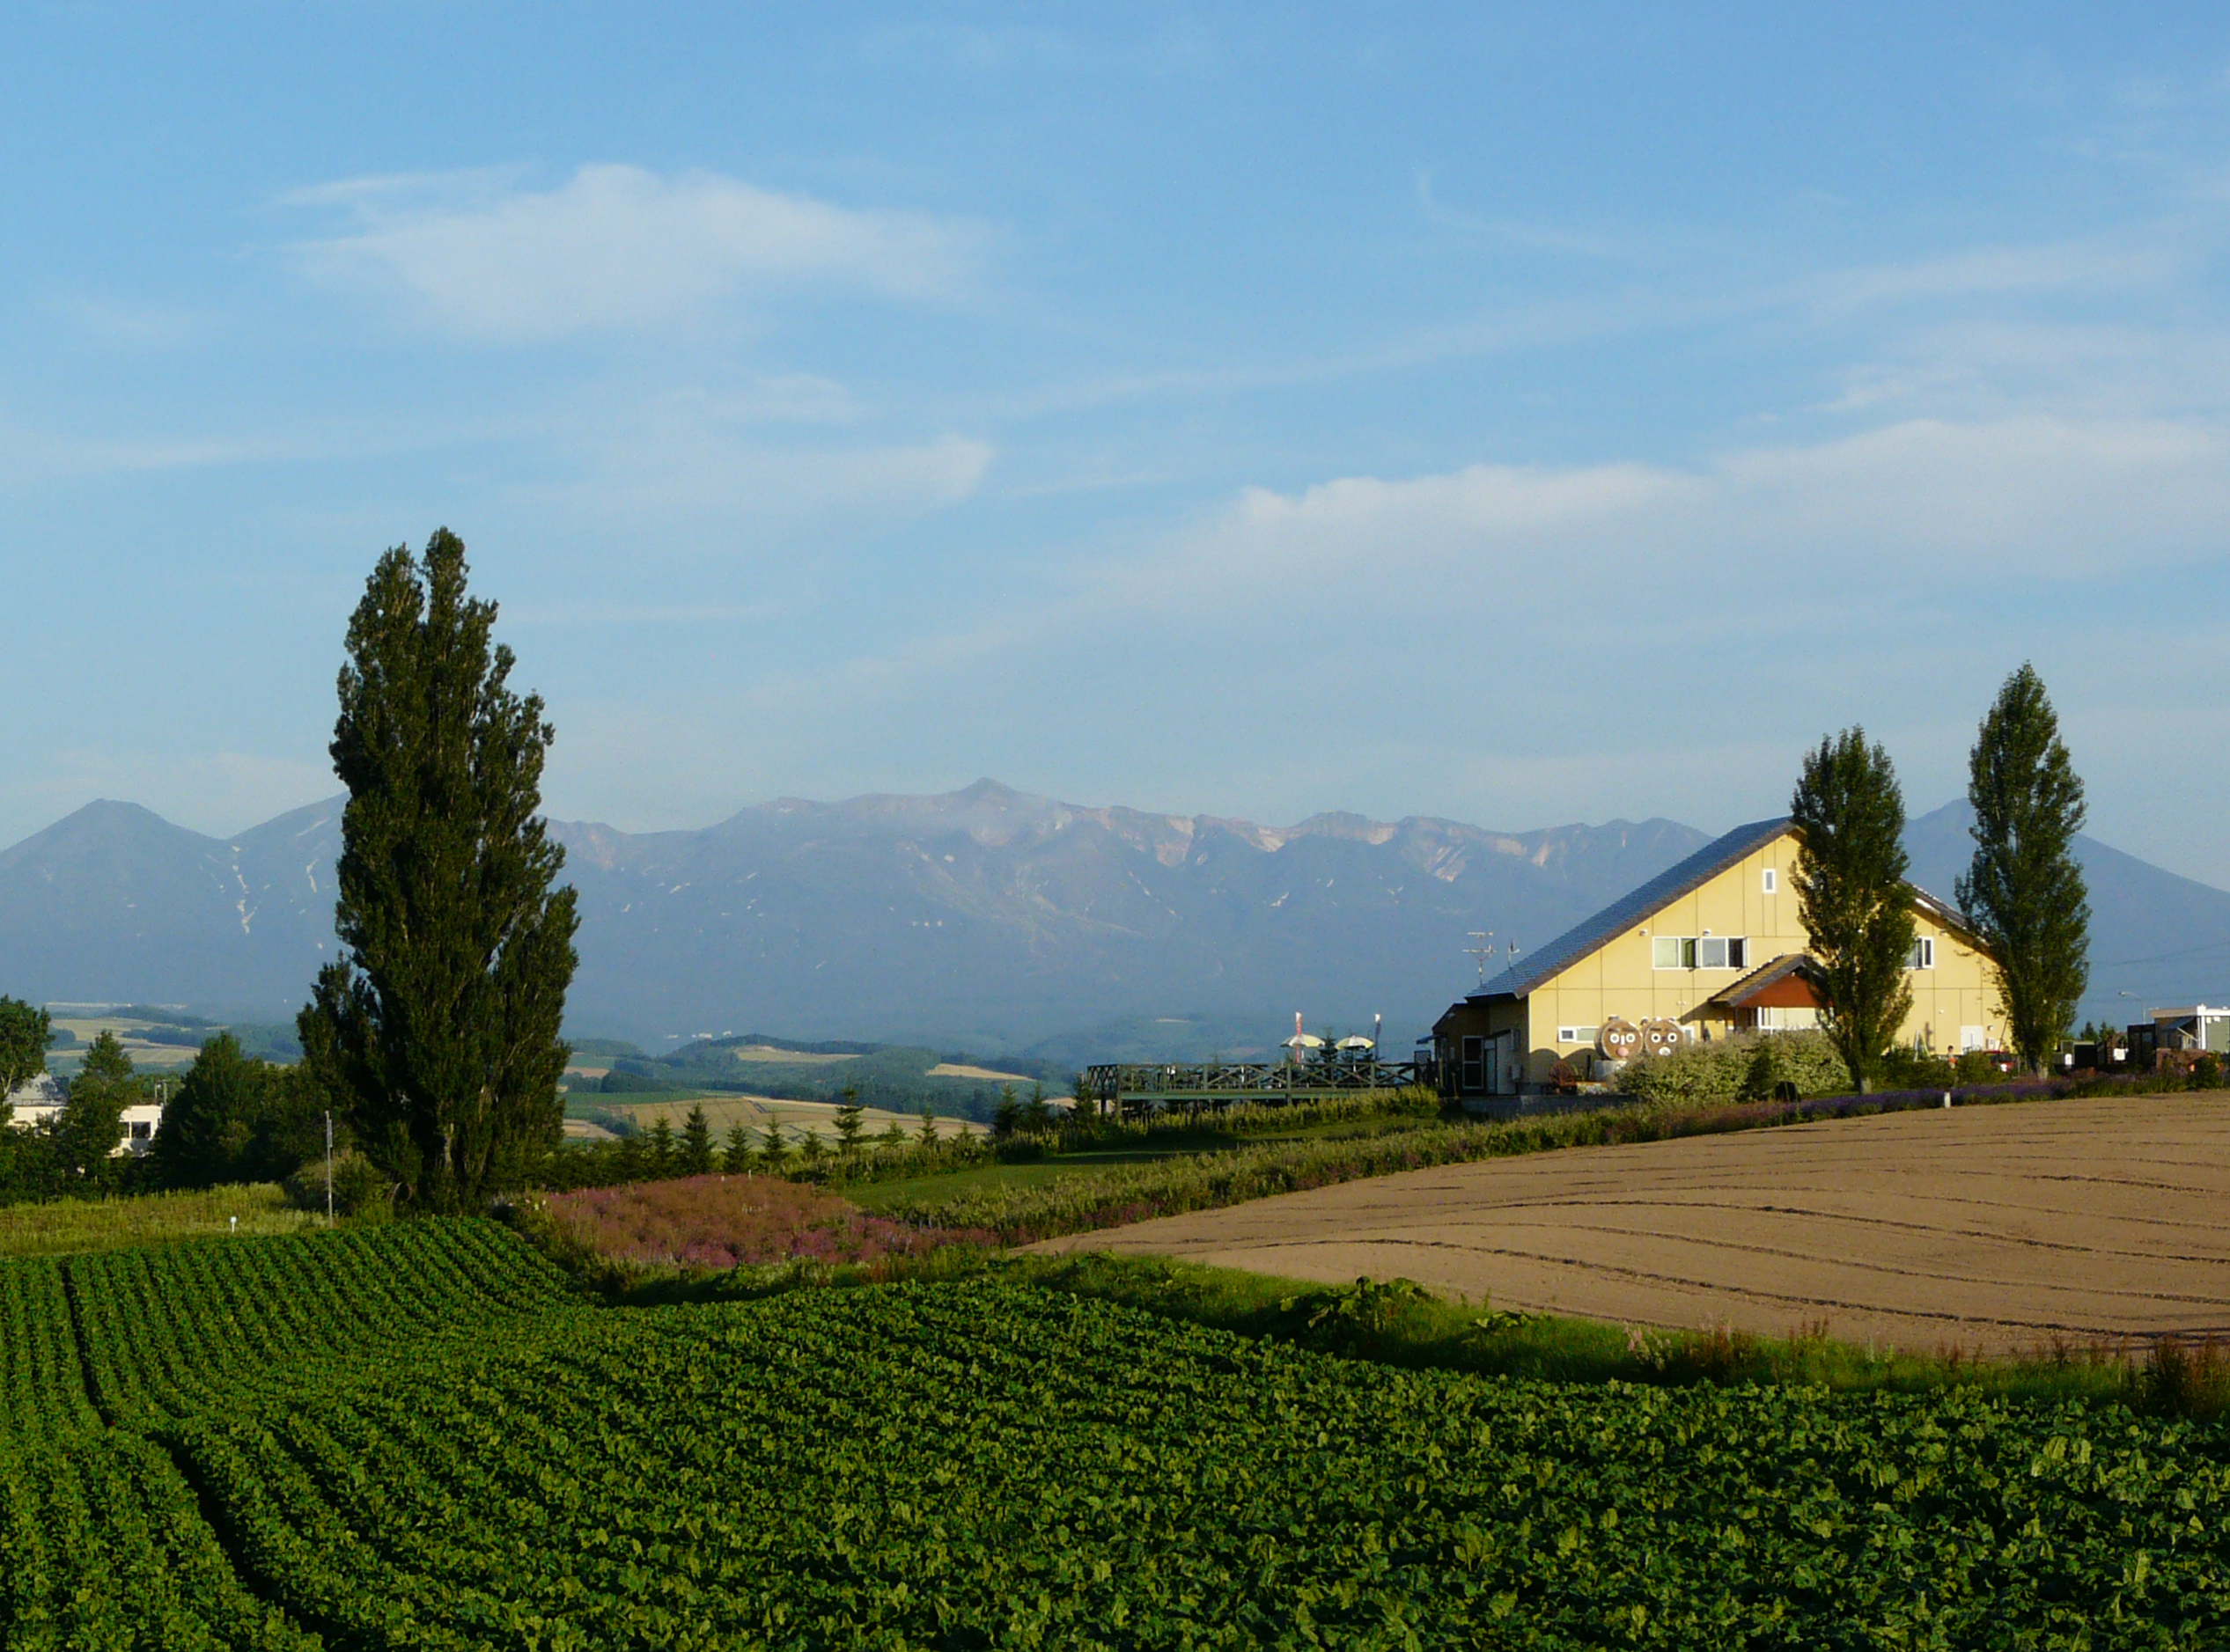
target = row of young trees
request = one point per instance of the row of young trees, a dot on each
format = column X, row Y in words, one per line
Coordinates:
column 2023, row 894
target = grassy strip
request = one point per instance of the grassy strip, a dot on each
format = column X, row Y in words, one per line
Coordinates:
column 1401, row 1324
column 65, row 1227
column 1398, row 1322
column 1124, row 1194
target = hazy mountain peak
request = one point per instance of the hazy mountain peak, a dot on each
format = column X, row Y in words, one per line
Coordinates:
column 986, row 917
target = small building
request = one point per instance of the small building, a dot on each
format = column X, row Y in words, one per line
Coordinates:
column 1711, row 947
column 35, row 1100
column 2191, row 1027
column 41, row 1098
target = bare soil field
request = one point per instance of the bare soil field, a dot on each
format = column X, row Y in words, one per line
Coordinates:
column 1998, row 1228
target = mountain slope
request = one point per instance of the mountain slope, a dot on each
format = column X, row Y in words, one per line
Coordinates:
column 115, row 903
column 986, row 918
column 997, row 919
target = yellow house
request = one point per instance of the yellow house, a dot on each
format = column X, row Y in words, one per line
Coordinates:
column 1712, row 947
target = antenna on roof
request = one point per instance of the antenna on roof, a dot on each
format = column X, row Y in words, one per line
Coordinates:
column 1483, row 951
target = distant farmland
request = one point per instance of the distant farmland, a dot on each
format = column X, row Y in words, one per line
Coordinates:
column 754, row 1113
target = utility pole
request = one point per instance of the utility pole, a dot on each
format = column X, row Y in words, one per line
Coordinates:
column 328, row 1167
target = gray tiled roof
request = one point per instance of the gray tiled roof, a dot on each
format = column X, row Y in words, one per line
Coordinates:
column 1660, row 891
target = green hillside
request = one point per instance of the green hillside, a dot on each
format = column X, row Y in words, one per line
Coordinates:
column 899, row 1078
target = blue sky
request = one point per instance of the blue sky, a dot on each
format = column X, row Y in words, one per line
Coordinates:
column 1517, row 414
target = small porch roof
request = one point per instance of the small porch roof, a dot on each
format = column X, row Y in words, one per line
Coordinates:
column 1786, row 983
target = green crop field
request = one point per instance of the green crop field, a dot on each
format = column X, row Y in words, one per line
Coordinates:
column 419, row 1436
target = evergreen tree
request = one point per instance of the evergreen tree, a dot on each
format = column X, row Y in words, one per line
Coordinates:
column 627, row 1158
column 209, row 1125
column 894, row 1136
column 1037, row 1118
column 927, row 1133
column 90, row 1125
column 436, row 1032
column 775, row 1154
column 287, row 1131
column 737, row 1160
column 813, row 1148
column 24, row 1032
column 2024, row 893
column 849, row 1121
column 696, row 1142
column 1006, row 1118
column 661, row 1147
column 1850, row 817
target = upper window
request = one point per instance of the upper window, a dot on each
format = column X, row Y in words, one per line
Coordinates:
column 1577, row 1035
column 1709, row 952
column 1772, row 881
column 1924, row 954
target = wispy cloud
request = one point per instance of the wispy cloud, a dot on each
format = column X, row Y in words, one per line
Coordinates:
column 617, row 247
column 126, row 325
column 2003, row 271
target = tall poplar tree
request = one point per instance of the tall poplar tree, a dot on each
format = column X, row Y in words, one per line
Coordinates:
column 437, row 1031
column 2024, row 893
column 1850, row 817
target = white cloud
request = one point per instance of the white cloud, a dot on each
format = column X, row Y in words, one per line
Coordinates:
column 616, row 247
column 1924, row 500
column 1545, row 643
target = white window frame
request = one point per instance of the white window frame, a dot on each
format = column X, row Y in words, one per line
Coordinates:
column 1771, row 881
column 1687, row 954
column 1578, row 1035
column 1924, row 953
column 1733, row 950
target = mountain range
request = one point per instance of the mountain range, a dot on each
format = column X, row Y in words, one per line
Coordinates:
column 984, row 919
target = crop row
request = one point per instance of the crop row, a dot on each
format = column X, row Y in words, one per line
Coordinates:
column 104, row 1547
column 977, row 1464
column 103, row 1541
column 173, row 1327
column 44, row 1390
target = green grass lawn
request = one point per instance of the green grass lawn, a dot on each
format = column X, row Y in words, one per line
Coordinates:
column 70, row 1226
column 952, row 1183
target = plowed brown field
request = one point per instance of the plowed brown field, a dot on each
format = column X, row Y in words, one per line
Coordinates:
column 2000, row 1227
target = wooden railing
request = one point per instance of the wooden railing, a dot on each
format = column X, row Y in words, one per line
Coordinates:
column 1130, row 1084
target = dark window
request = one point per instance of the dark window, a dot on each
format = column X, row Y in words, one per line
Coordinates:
column 1475, row 1076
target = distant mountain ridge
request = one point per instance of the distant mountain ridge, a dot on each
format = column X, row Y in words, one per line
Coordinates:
column 986, row 918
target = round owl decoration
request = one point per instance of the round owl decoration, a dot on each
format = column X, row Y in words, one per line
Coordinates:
column 1620, row 1040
